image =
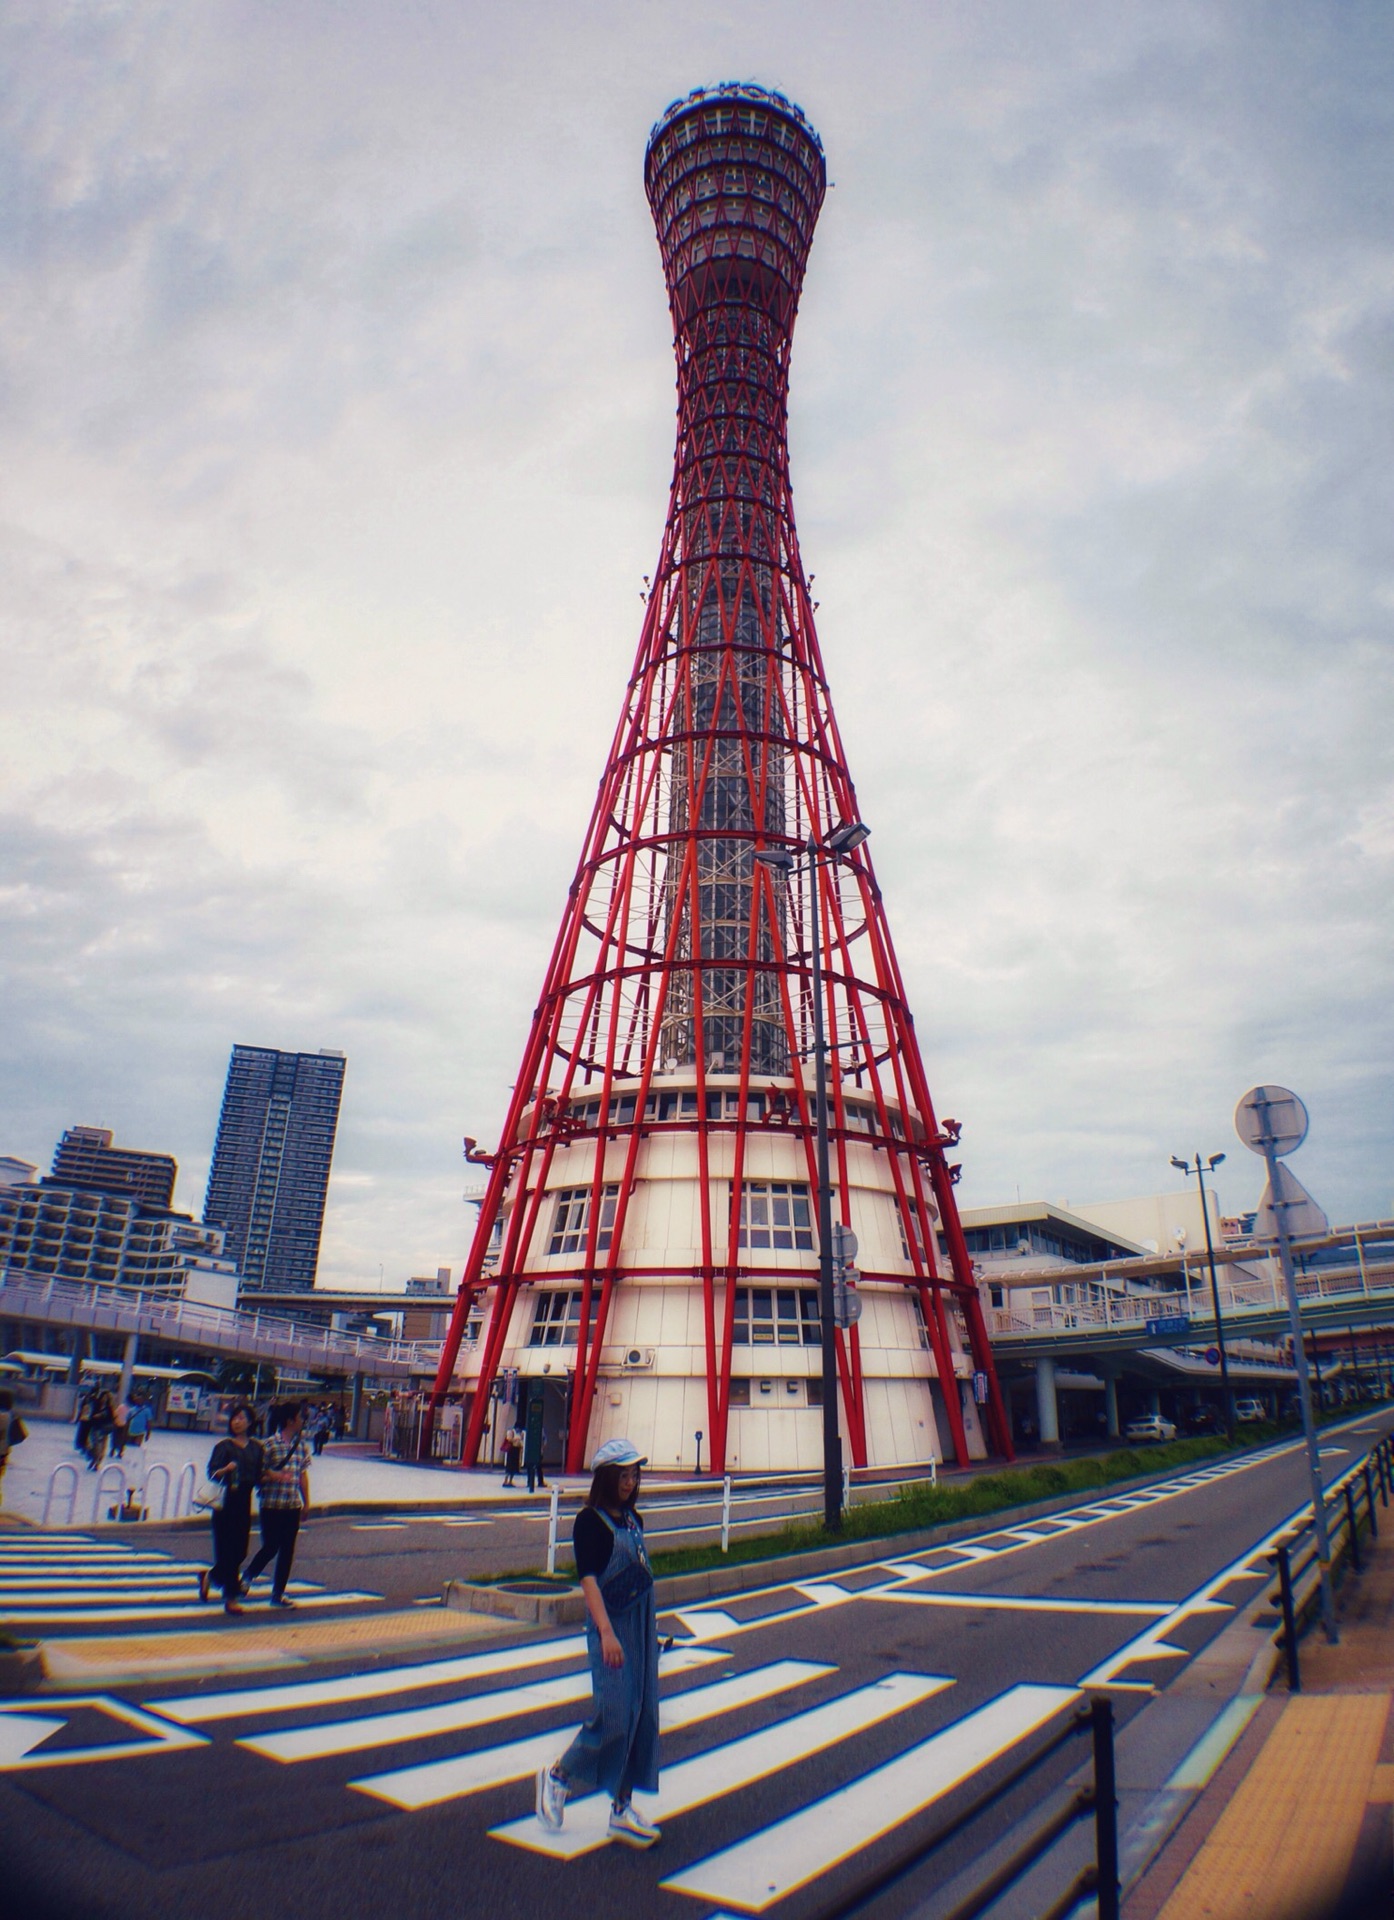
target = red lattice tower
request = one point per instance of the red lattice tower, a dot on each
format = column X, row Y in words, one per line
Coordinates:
column 682, row 960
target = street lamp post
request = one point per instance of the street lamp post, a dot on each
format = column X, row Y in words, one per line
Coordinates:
column 821, row 853
column 1200, row 1169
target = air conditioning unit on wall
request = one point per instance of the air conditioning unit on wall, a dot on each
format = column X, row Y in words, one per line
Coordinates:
column 637, row 1357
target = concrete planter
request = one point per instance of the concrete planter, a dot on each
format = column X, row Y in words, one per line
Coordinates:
column 550, row 1607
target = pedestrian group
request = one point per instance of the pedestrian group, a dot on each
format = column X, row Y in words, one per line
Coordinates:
column 277, row 1470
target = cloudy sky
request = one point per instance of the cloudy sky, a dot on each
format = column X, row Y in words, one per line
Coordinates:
column 336, row 413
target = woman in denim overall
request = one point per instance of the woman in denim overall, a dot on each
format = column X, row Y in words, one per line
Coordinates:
column 617, row 1749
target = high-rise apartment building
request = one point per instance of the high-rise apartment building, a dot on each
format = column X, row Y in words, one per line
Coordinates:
column 270, row 1172
column 85, row 1157
column 105, row 1235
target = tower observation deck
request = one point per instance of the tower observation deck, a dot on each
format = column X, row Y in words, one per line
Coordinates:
column 645, row 1260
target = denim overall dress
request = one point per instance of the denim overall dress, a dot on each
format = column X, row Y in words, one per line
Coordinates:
column 617, row 1749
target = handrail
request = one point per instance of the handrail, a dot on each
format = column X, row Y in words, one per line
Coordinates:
column 1100, row 1798
column 1294, row 1562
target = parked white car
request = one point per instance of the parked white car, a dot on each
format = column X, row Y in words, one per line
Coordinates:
column 1151, row 1426
column 1250, row 1410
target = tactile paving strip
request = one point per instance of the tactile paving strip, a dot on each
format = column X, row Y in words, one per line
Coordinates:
column 1284, row 1844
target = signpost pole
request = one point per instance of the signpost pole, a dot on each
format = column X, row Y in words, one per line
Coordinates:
column 1215, row 1296
column 1267, row 1141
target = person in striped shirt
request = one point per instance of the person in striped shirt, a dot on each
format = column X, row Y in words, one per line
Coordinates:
column 284, row 1495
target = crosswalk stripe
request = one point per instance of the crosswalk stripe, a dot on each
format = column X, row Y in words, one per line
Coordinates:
column 449, row 1716
column 437, row 1780
column 726, row 1769
column 775, row 1862
column 97, row 1616
column 246, row 1703
column 57, row 1599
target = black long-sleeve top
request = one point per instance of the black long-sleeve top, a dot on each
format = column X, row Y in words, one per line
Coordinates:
column 246, row 1459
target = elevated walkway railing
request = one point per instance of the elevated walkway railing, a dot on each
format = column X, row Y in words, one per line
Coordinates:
column 232, row 1331
column 1259, row 1298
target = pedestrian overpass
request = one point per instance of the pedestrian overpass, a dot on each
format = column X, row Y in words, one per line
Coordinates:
column 1078, row 1320
column 294, row 1348
column 1253, row 1304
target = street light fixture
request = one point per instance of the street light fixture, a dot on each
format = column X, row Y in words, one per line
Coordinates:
column 1200, row 1169
column 834, row 846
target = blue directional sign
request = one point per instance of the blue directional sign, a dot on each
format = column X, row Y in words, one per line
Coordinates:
column 1174, row 1323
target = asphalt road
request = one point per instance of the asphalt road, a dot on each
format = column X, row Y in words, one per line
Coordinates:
column 811, row 1732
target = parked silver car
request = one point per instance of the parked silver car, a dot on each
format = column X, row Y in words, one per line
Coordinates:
column 1151, row 1426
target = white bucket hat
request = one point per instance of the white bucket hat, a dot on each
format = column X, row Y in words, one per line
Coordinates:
column 618, row 1453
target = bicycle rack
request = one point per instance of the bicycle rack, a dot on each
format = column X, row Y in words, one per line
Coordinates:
column 64, row 1466
column 150, row 1472
column 99, row 1492
column 187, row 1472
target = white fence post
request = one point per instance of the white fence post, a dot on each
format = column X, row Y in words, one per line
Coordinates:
column 552, row 1529
column 726, row 1514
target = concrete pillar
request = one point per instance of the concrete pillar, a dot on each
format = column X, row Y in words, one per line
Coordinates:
column 1047, row 1415
column 128, row 1361
column 1111, row 1403
column 355, row 1405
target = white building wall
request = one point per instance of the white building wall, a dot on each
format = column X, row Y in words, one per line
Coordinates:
column 661, row 1402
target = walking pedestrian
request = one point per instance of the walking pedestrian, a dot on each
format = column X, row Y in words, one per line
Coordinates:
column 120, row 1428
column 284, row 1496
column 512, row 1456
column 13, row 1432
column 617, row 1748
column 82, row 1420
column 140, row 1422
column 534, row 1440
column 99, row 1429
column 236, row 1462
column 319, row 1430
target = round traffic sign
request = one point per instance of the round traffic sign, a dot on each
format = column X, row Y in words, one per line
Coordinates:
column 1271, row 1115
column 1212, row 1356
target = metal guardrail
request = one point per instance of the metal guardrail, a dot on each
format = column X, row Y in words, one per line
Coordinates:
column 1296, row 1558
column 798, row 1486
column 1099, row 1799
column 235, row 1330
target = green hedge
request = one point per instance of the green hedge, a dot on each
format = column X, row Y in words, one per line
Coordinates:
column 918, row 1505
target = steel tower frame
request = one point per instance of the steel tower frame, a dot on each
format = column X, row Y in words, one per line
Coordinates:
column 678, row 950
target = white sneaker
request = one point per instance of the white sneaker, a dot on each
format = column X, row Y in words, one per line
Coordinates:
column 631, row 1827
column 551, row 1799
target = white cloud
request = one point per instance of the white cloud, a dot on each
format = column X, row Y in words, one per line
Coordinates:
column 336, row 401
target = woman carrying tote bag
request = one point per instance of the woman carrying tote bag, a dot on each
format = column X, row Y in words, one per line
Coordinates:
column 235, row 1466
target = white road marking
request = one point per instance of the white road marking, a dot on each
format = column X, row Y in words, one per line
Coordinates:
column 726, row 1769
column 159, row 1736
column 94, row 1616
column 438, row 1780
column 1012, row 1603
column 447, row 1716
column 245, row 1703
column 775, row 1862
